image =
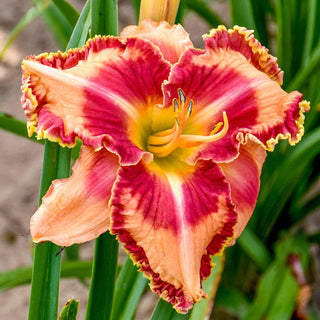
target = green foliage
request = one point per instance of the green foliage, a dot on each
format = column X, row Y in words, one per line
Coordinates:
column 258, row 281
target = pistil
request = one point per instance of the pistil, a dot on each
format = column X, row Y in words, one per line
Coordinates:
column 162, row 143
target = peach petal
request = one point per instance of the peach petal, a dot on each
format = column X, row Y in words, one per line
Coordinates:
column 171, row 40
column 70, row 95
column 76, row 209
column 170, row 223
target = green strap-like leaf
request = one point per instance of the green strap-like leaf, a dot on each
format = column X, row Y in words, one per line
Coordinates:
column 242, row 15
column 255, row 248
column 25, row 20
column 124, row 285
column 283, row 182
column 70, row 13
column 21, row 276
column 311, row 24
column 15, row 126
column 57, row 22
column 103, row 278
column 80, row 32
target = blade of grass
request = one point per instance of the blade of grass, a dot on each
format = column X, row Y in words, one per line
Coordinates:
column 80, row 32
column 25, row 20
column 57, row 22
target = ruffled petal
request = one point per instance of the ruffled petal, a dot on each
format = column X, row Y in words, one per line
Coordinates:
column 243, row 175
column 76, row 209
column 225, row 77
column 172, row 40
column 171, row 222
column 96, row 93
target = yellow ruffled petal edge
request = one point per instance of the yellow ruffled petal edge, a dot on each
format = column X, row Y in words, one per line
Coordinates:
column 304, row 106
column 242, row 40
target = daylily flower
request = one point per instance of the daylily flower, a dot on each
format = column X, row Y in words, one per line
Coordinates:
column 174, row 139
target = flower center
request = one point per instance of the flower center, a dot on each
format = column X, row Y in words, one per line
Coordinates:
column 162, row 143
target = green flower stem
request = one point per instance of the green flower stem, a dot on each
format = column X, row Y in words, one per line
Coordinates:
column 47, row 260
column 104, row 20
column 46, row 263
column 103, row 278
column 104, row 17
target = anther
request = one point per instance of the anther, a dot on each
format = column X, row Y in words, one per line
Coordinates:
column 190, row 107
column 175, row 105
column 182, row 97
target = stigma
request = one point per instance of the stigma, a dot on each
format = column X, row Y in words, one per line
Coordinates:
column 162, row 143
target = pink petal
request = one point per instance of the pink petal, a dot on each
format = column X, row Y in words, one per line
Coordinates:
column 172, row 40
column 225, row 77
column 170, row 222
column 96, row 93
column 243, row 175
column 76, row 209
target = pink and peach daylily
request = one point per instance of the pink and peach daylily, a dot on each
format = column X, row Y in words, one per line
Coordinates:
column 174, row 139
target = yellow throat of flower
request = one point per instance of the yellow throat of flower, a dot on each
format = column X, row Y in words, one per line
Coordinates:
column 162, row 143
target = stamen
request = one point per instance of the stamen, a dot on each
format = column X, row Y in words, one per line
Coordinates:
column 164, row 142
column 175, row 105
column 189, row 141
column 182, row 97
column 190, row 107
